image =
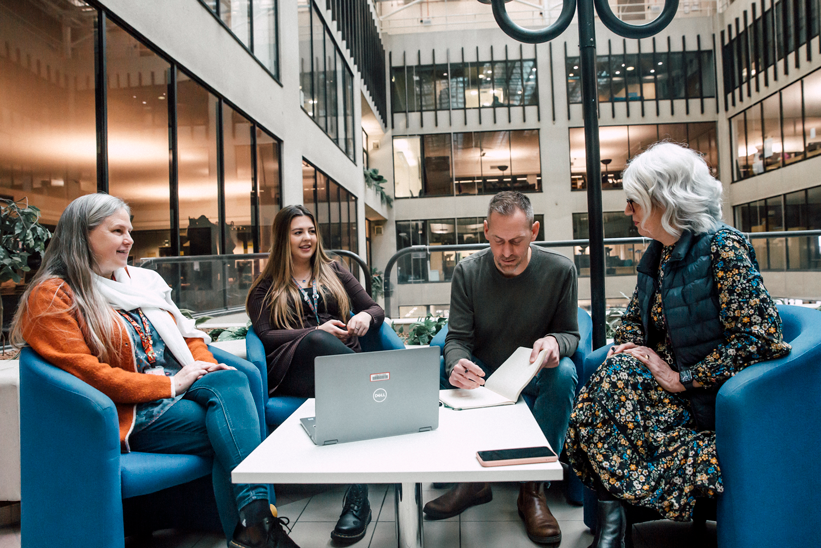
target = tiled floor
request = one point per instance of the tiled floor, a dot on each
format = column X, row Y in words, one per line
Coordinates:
column 313, row 511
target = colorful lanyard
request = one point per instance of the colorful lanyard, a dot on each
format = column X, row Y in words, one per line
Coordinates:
column 145, row 336
column 314, row 306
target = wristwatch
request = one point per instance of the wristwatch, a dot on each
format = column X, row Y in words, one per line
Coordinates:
column 686, row 378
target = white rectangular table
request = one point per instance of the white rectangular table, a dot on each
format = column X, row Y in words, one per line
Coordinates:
column 447, row 454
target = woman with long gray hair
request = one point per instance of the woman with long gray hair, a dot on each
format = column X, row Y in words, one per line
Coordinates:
column 643, row 427
column 115, row 327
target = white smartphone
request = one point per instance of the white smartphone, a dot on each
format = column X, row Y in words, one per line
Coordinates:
column 523, row 455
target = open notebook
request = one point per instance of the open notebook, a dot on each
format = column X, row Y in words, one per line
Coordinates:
column 503, row 387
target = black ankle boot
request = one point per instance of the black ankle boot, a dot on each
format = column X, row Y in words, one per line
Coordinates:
column 356, row 515
column 612, row 524
column 267, row 533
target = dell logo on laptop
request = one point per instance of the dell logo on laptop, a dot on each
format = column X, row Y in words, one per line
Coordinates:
column 380, row 395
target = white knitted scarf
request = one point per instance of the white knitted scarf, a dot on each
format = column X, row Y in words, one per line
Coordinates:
column 145, row 289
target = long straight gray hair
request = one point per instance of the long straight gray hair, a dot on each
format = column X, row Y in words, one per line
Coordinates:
column 69, row 257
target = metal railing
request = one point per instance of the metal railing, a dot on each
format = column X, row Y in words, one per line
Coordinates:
column 428, row 249
column 208, row 284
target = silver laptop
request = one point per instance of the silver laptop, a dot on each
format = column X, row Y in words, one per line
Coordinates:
column 374, row 395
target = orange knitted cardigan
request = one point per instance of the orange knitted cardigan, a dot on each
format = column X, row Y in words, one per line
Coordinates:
column 56, row 333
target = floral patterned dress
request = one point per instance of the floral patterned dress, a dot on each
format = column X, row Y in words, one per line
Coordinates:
column 640, row 441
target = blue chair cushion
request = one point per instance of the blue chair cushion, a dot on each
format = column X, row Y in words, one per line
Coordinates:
column 144, row 473
column 280, row 408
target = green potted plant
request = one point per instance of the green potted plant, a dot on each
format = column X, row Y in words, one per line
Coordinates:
column 422, row 332
column 22, row 240
column 375, row 181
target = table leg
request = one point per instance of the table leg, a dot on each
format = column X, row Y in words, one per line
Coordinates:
column 409, row 533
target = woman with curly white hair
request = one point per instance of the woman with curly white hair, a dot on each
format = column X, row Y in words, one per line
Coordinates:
column 643, row 427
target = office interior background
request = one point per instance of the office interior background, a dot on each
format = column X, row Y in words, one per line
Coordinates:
column 208, row 116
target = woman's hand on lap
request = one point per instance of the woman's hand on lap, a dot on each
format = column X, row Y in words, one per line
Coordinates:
column 660, row 369
column 359, row 324
column 336, row 328
column 618, row 349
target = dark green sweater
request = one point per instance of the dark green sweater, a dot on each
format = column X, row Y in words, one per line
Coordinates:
column 491, row 316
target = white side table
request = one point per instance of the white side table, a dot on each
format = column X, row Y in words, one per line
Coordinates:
column 10, row 430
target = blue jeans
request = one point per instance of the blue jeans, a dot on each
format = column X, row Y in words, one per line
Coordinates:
column 553, row 392
column 215, row 418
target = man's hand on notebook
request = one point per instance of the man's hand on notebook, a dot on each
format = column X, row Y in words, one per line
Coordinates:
column 550, row 344
column 467, row 375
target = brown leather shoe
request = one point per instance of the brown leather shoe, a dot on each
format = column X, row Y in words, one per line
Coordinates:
column 541, row 526
column 461, row 497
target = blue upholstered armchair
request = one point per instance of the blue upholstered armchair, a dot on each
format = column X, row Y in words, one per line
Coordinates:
column 768, row 420
column 79, row 490
column 574, row 490
column 279, row 408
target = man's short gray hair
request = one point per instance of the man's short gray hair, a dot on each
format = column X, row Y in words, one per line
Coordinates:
column 507, row 202
column 678, row 180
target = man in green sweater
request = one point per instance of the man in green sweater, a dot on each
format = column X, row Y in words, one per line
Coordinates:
column 511, row 295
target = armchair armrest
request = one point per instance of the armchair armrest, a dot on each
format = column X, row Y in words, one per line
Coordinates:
column 67, row 430
column 385, row 338
column 254, row 381
column 767, row 422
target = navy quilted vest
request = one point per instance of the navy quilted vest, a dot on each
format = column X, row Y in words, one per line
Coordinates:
column 689, row 296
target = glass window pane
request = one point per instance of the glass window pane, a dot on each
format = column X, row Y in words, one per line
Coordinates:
column 341, row 138
column 265, row 34
column 525, row 164
column 603, row 77
column 676, row 75
column 467, row 163
column 574, row 81
column 676, row 133
column 236, row 14
column 814, row 223
column 323, row 211
column 630, row 64
column 613, row 146
column 441, row 232
column 344, row 220
column 198, row 187
column 485, row 84
column 309, row 186
column 796, row 219
column 470, row 230
column 458, row 85
column 692, row 74
column 331, row 90
column 531, row 84
column 648, row 76
column 269, row 186
column 334, row 240
column 442, row 87
column 775, row 223
column 495, row 154
column 758, row 223
column 437, row 164
column 578, row 155
column 792, row 124
column 703, row 139
column 500, row 83
column 48, row 142
column 772, row 132
column 739, row 136
column 411, row 268
column 239, row 181
column 472, row 85
column 708, row 74
column 407, row 171
column 755, row 140
column 306, row 93
column 617, row 70
column 349, row 112
column 515, row 85
column 426, row 89
column 138, row 138
column 641, row 137
column 812, row 113
column 318, row 54
column 398, row 89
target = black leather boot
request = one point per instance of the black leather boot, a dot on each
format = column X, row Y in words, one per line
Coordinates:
column 269, row 533
column 612, row 524
column 356, row 515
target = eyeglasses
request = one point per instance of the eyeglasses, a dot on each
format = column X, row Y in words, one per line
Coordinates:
column 630, row 205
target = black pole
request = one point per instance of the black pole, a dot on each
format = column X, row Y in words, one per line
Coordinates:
column 587, row 48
